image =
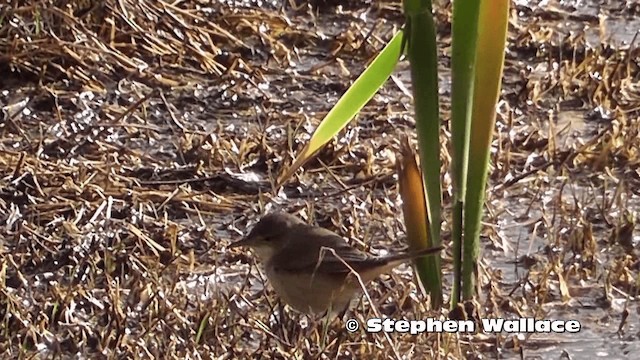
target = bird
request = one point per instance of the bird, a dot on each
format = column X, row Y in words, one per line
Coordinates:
column 311, row 268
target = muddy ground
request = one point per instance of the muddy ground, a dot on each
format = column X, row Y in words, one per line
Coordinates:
column 140, row 138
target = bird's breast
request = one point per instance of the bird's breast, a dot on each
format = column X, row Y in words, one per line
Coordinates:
column 311, row 293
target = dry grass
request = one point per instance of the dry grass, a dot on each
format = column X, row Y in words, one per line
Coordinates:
column 139, row 138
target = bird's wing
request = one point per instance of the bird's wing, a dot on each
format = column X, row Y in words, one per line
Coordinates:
column 328, row 261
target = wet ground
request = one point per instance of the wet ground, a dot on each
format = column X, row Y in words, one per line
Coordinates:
column 141, row 138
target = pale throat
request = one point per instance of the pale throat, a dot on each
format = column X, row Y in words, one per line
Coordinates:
column 264, row 252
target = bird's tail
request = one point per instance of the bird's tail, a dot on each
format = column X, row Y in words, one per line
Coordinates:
column 386, row 263
column 404, row 256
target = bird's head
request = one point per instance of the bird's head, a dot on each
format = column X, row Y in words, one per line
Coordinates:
column 269, row 235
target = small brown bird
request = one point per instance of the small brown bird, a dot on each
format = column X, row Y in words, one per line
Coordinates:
column 308, row 278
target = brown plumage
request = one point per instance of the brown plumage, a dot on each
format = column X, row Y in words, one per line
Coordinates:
column 305, row 276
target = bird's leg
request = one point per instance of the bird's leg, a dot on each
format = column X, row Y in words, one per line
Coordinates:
column 341, row 335
column 325, row 327
column 283, row 321
column 343, row 312
column 328, row 317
